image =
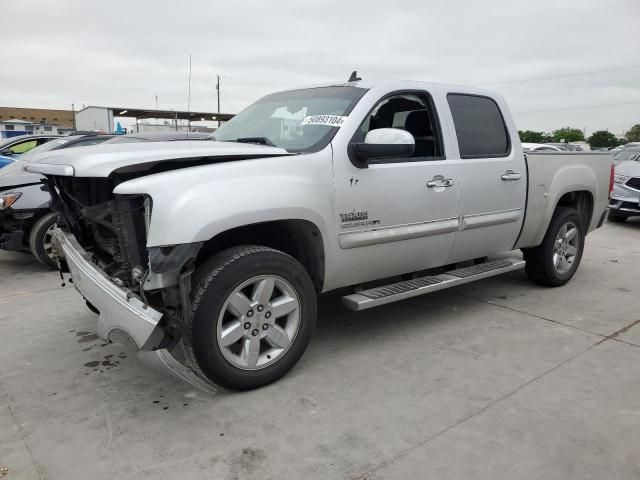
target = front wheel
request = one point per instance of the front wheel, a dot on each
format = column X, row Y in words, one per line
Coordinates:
column 556, row 259
column 253, row 312
column 40, row 240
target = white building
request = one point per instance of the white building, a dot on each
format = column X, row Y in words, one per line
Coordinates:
column 15, row 127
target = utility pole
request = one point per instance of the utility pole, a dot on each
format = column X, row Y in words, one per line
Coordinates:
column 156, row 101
column 189, row 99
column 73, row 115
column 218, row 90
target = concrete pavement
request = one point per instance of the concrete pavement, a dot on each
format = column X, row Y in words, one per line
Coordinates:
column 499, row 380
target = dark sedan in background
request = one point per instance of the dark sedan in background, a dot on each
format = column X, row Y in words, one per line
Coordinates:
column 13, row 147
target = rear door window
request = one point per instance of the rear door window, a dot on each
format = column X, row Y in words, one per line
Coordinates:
column 479, row 125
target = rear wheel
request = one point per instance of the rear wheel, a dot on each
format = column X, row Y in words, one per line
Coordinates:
column 616, row 217
column 40, row 240
column 556, row 260
column 253, row 311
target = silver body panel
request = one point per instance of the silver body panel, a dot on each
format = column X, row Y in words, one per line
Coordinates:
column 551, row 175
column 375, row 222
column 119, row 308
column 102, row 160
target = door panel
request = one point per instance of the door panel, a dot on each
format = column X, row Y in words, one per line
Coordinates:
column 399, row 215
column 390, row 222
column 492, row 179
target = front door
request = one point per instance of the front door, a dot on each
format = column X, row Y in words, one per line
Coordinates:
column 400, row 214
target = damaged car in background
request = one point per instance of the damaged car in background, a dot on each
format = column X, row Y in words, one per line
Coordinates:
column 216, row 251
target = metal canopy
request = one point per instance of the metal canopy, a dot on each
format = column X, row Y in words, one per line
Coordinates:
column 141, row 113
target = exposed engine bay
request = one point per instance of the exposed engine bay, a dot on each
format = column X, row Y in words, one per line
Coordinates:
column 113, row 230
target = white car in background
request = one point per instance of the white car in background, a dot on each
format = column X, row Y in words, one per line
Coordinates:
column 541, row 147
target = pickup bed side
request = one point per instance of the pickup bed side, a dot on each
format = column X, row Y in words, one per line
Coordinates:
column 551, row 176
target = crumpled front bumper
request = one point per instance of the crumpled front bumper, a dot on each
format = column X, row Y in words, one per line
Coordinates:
column 119, row 308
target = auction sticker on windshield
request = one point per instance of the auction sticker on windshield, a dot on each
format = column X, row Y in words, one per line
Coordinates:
column 329, row 120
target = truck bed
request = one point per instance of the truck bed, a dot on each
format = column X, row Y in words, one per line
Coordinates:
column 553, row 174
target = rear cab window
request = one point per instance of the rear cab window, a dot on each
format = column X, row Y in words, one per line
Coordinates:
column 479, row 125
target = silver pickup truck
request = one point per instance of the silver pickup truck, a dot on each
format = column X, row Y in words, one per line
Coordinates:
column 216, row 251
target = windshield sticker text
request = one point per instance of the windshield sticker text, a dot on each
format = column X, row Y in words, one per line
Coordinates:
column 328, row 120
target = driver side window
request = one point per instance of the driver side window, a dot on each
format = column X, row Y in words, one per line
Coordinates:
column 412, row 112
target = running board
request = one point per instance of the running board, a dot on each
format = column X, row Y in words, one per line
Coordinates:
column 394, row 292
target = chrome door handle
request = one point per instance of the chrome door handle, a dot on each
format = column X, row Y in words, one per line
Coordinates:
column 511, row 175
column 444, row 182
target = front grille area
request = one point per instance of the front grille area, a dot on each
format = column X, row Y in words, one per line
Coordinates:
column 111, row 228
column 634, row 182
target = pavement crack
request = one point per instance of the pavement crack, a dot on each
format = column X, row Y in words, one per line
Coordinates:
column 488, row 302
column 614, row 335
column 617, row 249
column 107, row 422
column 368, row 474
column 24, row 294
column 625, row 342
column 27, row 445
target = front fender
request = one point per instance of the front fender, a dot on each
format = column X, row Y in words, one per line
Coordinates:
column 197, row 203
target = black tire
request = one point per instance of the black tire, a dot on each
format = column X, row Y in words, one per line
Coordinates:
column 37, row 238
column 213, row 283
column 616, row 217
column 540, row 266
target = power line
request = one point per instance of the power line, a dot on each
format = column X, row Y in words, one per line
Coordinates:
column 581, row 108
column 569, row 75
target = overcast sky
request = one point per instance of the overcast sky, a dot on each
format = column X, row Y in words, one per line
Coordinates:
column 55, row 53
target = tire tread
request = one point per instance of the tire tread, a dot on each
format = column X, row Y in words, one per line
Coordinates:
column 202, row 279
column 38, row 229
column 536, row 266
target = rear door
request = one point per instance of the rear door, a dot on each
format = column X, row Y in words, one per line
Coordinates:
column 493, row 177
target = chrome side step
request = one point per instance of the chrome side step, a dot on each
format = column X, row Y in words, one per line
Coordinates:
column 394, row 292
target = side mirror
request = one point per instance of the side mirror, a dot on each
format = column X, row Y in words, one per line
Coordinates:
column 382, row 143
column 6, row 153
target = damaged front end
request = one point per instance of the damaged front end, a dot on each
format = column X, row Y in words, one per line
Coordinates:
column 142, row 291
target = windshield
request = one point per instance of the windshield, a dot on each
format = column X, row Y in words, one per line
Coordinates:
column 298, row 121
column 626, row 154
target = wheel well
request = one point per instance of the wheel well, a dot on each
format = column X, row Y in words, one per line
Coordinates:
column 299, row 238
column 582, row 201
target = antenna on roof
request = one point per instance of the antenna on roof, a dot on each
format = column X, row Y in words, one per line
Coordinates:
column 354, row 77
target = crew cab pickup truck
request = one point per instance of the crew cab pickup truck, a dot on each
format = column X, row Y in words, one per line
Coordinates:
column 216, row 251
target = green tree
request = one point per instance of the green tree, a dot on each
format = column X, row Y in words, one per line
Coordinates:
column 567, row 135
column 529, row 136
column 602, row 138
column 633, row 135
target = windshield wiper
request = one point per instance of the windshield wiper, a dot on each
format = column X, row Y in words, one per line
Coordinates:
column 257, row 140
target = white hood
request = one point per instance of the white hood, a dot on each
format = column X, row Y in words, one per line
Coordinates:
column 102, row 160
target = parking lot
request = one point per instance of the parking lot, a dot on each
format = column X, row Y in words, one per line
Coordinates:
column 497, row 379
